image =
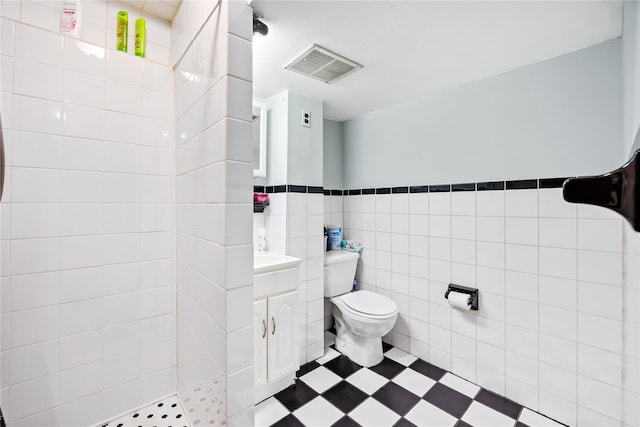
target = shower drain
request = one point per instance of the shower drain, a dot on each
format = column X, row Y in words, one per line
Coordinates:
column 165, row 413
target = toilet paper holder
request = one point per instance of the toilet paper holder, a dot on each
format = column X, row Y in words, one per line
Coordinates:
column 473, row 293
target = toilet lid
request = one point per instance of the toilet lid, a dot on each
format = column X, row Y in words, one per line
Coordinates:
column 369, row 303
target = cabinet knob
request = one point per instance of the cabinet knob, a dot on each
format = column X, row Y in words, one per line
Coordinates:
column 264, row 328
column 273, row 320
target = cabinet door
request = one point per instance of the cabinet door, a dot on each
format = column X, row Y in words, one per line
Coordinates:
column 283, row 347
column 260, row 332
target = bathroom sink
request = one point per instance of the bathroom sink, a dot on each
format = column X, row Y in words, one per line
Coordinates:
column 274, row 274
column 272, row 261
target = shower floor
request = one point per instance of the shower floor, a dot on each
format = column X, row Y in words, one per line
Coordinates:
column 401, row 391
column 165, row 413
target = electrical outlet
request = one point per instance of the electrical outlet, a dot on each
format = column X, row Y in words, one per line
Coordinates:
column 306, row 119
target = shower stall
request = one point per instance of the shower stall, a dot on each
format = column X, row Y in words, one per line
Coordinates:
column 125, row 233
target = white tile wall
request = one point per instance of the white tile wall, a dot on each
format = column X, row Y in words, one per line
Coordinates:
column 213, row 211
column 549, row 331
column 630, row 378
column 88, row 278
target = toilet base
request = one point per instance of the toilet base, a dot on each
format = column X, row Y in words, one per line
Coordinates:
column 362, row 350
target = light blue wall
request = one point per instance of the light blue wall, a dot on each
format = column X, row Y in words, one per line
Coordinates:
column 294, row 153
column 304, row 144
column 630, row 70
column 556, row 118
column 333, row 155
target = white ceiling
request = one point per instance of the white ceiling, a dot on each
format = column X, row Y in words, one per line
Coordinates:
column 165, row 9
column 412, row 48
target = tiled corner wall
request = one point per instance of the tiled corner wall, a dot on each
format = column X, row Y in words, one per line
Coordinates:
column 213, row 216
column 333, row 215
column 294, row 227
column 88, row 287
column 549, row 331
column 631, row 323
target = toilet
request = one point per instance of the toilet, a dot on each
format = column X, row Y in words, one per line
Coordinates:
column 362, row 318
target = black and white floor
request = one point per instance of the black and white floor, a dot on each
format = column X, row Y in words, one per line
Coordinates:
column 333, row 391
column 401, row 391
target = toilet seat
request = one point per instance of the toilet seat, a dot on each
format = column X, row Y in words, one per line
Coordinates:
column 368, row 304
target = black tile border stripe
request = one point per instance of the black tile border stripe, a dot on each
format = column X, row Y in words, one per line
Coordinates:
column 419, row 189
column 551, row 182
column 443, row 188
column 492, row 185
column 471, row 186
column 399, row 190
column 520, row 184
column 296, row 188
column 292, row 188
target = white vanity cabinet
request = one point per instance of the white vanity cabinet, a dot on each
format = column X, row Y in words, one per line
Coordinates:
column 277, row 350
column 276, row 340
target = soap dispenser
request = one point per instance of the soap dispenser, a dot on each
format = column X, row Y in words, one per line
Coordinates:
column 262, row 241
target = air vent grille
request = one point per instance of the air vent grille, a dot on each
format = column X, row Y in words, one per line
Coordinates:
column 322, row 64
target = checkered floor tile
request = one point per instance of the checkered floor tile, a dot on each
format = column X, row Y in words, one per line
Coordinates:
column 401, row 391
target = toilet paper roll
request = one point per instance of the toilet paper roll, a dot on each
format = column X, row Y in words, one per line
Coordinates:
column 459, row 300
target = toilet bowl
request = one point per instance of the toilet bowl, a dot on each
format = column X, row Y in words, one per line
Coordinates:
column 362, row 318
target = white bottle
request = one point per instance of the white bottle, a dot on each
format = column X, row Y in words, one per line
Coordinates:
column 70, row 18
column 262, row 241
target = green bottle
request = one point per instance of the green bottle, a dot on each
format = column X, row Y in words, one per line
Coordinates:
column 141, row 37
column 122, row 31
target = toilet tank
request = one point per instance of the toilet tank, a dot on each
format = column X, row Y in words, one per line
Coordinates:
column 339, row 271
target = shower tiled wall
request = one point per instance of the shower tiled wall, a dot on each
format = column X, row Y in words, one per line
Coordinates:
column 294, row 227
column 549, row 331
column 213, row 214
column 87, row 278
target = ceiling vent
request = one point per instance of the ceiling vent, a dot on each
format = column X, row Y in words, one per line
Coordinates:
column 322, row 64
